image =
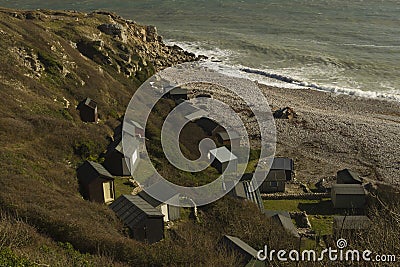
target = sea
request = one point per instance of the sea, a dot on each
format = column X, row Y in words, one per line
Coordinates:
column 347, row 47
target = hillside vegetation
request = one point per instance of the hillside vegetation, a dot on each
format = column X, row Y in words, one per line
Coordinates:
column 50, row 61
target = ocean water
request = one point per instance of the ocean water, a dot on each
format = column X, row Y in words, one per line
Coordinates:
column 350, row 47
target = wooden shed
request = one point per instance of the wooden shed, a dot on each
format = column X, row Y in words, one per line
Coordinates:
column 145, row 222
column 274, row 182
column 348, row 196
column 224, row 139
column 283, row 220
column 170, row 212
column 247, row 253
column 88, row 110
column 347, row 176
column 200, row 117
column 134, row 128
column 178, row 93
column 244, row 189
column 349, row 224
column 117, row 163
column 96, row 183
column 285, row 164
column 220, row 159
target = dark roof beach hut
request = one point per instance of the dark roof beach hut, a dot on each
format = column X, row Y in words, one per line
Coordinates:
column 117, row 163
column 347, row 176
column 223, row 160
column 88, row 110
column 178, row 93
column 96, row 183
column 226, row 140
column 244, row 189
column 348, row 196
column 285, row 164
column 349, row 224
column 170, row 212
column 144, row 221
column 286, row 223
column 274, row 182
column 247, row 253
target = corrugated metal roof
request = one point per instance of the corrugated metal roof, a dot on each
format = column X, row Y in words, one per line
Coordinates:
column 196, row 115
column 242, row 245
column 282, row 164
column 222, row 154
column 245, row 189
column 133, row 209
column 348, row 189
column 351, row 222
column 100, row 169
column 225, row 136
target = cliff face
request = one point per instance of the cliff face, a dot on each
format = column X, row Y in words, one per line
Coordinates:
column 108, row 40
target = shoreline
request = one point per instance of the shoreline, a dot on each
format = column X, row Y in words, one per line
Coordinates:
column 217, row 61
column 331, row 132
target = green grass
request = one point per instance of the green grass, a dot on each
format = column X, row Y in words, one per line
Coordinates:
column 144, row 170
column 122, row 186
column 312, row 207
column 320, row 212
column 322, row 225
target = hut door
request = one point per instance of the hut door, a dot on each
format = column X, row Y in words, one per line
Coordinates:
column 108, row 193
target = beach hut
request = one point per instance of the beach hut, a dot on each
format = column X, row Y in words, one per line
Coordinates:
column 347, row 176
column 144, row 221
column 244, row 189
column 349, row 225
column 286, row 223
column 274, row 182
column 131, row 127
column 96, row 183
column 178, row 93
column 348, row 196
column 247, row 253
column 224, row 139
column 285, row 164
column 88, row 110
column 220, row 159
column 170, row 212
column 283, row 219
column 208, row 125
column 199, row 116
column 115, row 160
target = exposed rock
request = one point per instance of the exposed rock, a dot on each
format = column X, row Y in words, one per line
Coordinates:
column 301, row 219
column 30, row 60
column 151, row 34
column 114, row 29
column 285, row 113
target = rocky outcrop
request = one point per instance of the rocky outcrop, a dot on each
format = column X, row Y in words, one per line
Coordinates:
column 131, row 49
